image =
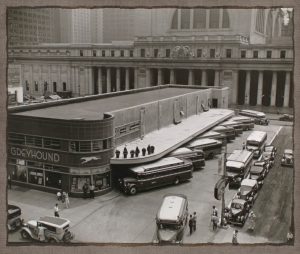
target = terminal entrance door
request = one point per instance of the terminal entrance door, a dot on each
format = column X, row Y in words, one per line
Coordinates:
column 214, row 103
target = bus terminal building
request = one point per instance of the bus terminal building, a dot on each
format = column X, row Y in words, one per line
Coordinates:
column 64, row 144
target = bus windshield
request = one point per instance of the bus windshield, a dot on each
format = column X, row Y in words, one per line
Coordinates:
column 170, row 226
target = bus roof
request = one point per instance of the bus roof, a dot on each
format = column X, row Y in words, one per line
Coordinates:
column 288, row 151
column 219, row 127
column 241, row 118
column 204, row 141
column 248, row 182
column 239, row 156
column 234, row 164
column 162, row 162
column 171, row 207
column 257, row 136
column 210, row 134
column 181, row 150
column 253, row 112
column 229, row 123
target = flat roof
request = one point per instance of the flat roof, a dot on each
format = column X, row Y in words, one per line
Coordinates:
column 171, row 208
column 239, row 156
column 248, row 182
column 256, row 136
column 94, row 109
column 203, row 142
column 181, row 150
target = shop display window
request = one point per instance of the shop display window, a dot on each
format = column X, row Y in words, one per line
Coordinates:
column 35, row 176
column 102, row 181
column 78, row 182
column 53, row 179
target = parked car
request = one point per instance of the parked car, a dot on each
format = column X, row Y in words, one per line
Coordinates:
column 248, row 190
column 258, row 173
column 56, row 229
column 14, row 220
column 238, row 211
column 268, row 157
column 286, row 117
column 263, row 164
column 272, row 149
column 287, row 158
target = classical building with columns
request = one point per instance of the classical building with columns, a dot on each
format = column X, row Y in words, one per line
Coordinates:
column 242, row 49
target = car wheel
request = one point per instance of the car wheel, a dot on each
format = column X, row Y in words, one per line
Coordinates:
column 176, row 181
column 52, row 240
column 25, row 234
column 133, row 190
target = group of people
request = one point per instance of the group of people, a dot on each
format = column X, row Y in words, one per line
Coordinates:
column 214, row 218
column 88, row 190
column 192, row 222
column 150, row 150
column 63, row 197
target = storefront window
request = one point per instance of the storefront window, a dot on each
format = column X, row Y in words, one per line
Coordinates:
column 53, row 179
column 78, row 182
column 35, row 176
column 18, row 170
column 102, row 181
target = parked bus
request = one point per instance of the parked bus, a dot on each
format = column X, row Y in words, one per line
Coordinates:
column 171, row 219
column 259, row 117
column 238, row 165
column 247, row 122
column 209, row 146
column 214, row 135
column 238, row 127
column 165, row 171
column 229, row 132
column 256, row 142
column 196, row 157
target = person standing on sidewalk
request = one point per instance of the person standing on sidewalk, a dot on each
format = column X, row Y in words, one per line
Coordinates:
column 9, row 181
column 92, row 191
column 67, row 200
column 194, row 221
column 234, row 237
column 191, row 224
column 56, row 210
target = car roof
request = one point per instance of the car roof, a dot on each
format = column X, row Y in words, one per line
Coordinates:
column 288, row 151
column 56, row 221
column 238, row 201
column 171, row 207
column 256, row 169
column 249, row 182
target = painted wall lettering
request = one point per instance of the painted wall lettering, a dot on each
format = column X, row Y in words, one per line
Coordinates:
column 27, row 153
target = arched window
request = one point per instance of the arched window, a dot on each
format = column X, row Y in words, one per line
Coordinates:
column 225, row 21
column 185, row 18
column 214, row 17
column 175, row 20
column 199, row 18
column 260, row 21
column 269, row 24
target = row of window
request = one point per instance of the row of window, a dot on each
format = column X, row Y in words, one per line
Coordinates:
column 268, row 54
column 45, row 86
column 63, row 145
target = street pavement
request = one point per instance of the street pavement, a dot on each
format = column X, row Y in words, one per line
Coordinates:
column 117, row 218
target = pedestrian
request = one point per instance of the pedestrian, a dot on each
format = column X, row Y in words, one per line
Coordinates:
column 41, row 233
column 244, row 146
column 125, row 152
column 191, row 224
column 289, row 236
column 131, row 153
column 152, row 149
column 9, row 181
column 56, row 210
column 149, row 149
column 194, row 221
column 214, row 211
column 67, row 200
column 85, row 189
column 137, row 152
column 234, row 237
column 215, row 220
column 144, row 151
column 252, row 217
column 117, row 154
column 92, row 191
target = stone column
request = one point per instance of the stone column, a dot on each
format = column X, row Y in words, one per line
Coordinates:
column 90, row 72
column 87, row 81
column 118, row 85
column 235, row 85
column 191, row 77
column 217, row 78
column 159, row 77
column 207, row 18
column 127, row 79
column 148, row 79
column 100, row 90
column 287, row 85
column 172, row 77
column 108, row 80
column 273, row 90
column 247, row 89
column 136, row 85
column 260, row 88
column 203, row 78
column 179, row 19
column 78, row 81
column 192, row 19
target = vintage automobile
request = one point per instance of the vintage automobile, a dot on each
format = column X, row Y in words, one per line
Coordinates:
column 258, row 173
column 238, row 212
column 268, row 157
column 14, row 220
column 263, row 164
column 248, row 191
column 272, row 149
column 56, row 230
column 286, row 117
column 287, row 158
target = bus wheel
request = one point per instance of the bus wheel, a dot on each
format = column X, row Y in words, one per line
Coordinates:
column 176, row 181
column 132, row 190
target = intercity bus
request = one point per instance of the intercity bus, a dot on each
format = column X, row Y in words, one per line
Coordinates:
column 209, row 146
column 238, row 127
column 256, row 142
column 238, row 165
column 213, row 135
column 259, row 117
column 229, row 132
column 247, row 122
column 196, row 157
column 169, row 170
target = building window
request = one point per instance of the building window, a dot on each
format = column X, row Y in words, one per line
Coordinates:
column 199, row 52
column 255, row 54
column 214, row 16
column 212, row 53
column 131, row 53
column 282, row 54
column 52, row 143
column 168, row 52
column 53, row 179
column 78, row 182
column 81, row 52
column 54, row 87
column 16, row 138
column 35, row 176
column 103, row 53
column 94, row 53
column 228, row 53
column 101, row 181
column 34, row 141
column 142, row 52
column 36, row 86
column 185, row 18
column 122, row 53
column 64, row 86
column 112, row 53
column 155, row 52
column 269, row 54
column 243, row 54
